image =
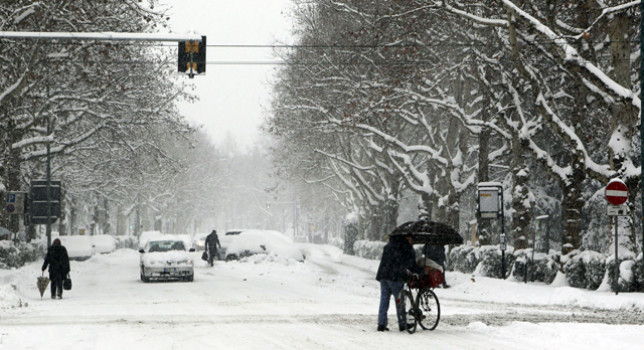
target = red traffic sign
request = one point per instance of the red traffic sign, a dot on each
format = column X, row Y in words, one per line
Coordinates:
column 616, row 192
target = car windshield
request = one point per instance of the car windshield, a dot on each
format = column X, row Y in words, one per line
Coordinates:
column 166, row 246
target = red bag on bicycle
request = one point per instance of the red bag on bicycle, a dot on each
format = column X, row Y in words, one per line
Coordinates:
column 435, row 278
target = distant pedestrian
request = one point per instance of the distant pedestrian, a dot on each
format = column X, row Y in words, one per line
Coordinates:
column 397, row 265
column 212, row 241
column 58, row 262
column 437, row 254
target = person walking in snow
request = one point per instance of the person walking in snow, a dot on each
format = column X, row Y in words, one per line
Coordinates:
column 398, row 264
column 58, row 262
column 212, row 241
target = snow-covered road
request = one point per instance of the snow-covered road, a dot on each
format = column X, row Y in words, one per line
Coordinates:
column 328, row 302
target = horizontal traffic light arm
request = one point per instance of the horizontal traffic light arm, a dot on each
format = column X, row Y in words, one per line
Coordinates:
column 102, row 36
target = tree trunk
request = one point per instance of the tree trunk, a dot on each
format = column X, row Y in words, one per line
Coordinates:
column 62, row 221
column 571, row 206
column 425, row 206
column 391, row 216
column 522, row 199
column 12, row 171
column 121, row 221
column 376, row 231
column 73, row 217
column 484, row 226
column 622, row 118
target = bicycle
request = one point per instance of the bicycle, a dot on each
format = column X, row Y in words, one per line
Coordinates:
column 424, row 308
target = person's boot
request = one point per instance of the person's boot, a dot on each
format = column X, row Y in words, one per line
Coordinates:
column 382, row 328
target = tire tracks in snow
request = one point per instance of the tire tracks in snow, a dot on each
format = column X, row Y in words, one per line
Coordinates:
column 493, row 318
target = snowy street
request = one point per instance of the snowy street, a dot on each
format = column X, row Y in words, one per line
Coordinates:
column 328, row 302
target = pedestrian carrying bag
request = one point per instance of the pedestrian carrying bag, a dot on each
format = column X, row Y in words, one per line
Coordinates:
column 204, row 256
column 67, row 283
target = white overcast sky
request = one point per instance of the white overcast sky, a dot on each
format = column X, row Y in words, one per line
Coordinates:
column 233, row 99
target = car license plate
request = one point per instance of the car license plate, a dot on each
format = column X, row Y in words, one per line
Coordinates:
column 167, row 270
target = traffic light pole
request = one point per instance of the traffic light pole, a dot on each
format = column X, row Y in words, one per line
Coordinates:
column 48, row 229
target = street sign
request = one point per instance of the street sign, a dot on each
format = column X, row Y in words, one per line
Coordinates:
column 616, row 192
column 617, row 210
column 38, row 209
column 490, row 200
column 15, row 202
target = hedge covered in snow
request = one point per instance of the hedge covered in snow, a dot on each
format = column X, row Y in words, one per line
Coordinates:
column 587, row 269
column 368, row 249
column 630, row 274
column 16, row 254
column 373, row 249
column 584, row 269
column 542, row 268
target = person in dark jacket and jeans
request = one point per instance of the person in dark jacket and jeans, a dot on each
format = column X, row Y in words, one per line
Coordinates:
column 212, row 241
column 58, row 262
column 398, row 264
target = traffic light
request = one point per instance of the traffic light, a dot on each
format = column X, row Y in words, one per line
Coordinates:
column 192, row 57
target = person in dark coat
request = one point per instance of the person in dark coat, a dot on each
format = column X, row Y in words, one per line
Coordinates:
column 212, row 241
column 437, row 253
column 397, row 265
column 58, row 262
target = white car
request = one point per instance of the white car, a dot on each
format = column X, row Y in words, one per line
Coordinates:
column 103, row 244
column 166, row 258
column 237, row 244
column 146, row 236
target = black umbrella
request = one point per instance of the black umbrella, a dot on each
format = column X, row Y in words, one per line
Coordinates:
column 423, row 231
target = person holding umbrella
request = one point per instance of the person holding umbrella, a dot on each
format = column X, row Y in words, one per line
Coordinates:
column 398, row 264
column 58, row 262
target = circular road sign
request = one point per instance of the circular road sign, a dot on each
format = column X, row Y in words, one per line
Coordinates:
column 616, row 192
column 11, row 208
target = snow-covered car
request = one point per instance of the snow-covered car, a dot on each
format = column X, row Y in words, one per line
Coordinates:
column 199, row 241
column 187, row 240
column 78, row 247
column 166, row 258
column 146, row 236
column 237, row 244
column 103, row 244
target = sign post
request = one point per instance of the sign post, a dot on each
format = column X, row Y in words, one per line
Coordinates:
column 490, row 206
column 616, row 194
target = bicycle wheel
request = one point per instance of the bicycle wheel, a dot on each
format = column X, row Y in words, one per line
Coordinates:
column 430, row 309
column 410, row 312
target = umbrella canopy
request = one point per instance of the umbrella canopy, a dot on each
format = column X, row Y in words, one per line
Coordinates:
column 423, row 231
column 42, row 284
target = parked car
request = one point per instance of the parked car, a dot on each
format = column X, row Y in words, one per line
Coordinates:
column 78, row 247
column 103, row 244
column 199, row 241
column 166, row 258
column 237, row 244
